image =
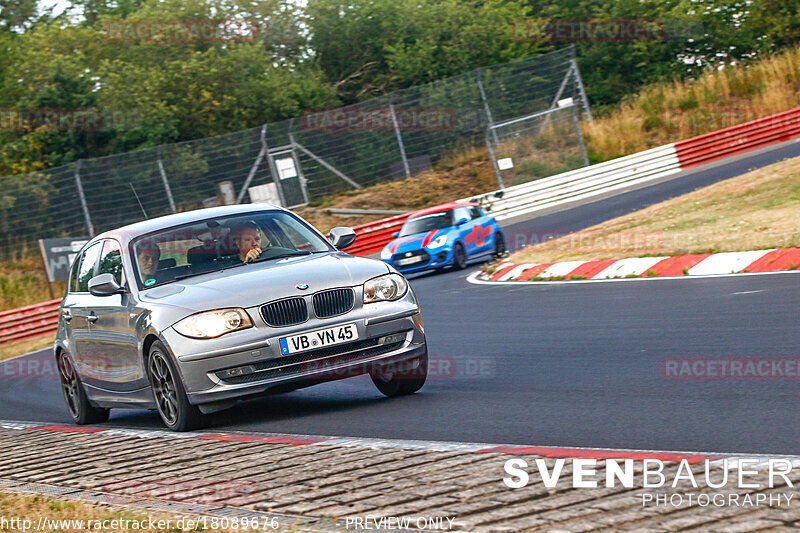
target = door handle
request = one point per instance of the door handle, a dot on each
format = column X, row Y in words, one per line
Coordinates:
column 92, row 318
column 67, row 315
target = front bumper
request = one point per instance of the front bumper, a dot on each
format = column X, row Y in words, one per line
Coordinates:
column 392, row 336
column 436, row 258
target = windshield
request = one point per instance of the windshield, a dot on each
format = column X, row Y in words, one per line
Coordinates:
column 442, row 219
column 219, row 243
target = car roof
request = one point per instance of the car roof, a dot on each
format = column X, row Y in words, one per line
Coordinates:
column 132, row 231
column 440, row 208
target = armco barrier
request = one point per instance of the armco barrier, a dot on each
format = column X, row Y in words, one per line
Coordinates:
column 739, row 139
column 29, row 322
column 374, row 236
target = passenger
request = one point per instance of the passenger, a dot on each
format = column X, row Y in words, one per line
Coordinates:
column 247, row 239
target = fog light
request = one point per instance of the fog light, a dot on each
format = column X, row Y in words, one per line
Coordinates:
column 441, row 256
column 235, row 372
column 391, row 339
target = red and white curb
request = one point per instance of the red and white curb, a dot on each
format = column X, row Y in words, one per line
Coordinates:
column 697, row 265
column 714, row 458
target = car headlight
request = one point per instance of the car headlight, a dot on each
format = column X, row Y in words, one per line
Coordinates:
column 384, row 288
column 386, row 253
column 212, row 324
column 438, row 241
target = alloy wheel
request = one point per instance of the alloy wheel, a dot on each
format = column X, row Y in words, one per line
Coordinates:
column 69, row 384
column 164, row 388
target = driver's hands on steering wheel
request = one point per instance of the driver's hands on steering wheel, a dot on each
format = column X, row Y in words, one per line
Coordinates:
column 252, row 255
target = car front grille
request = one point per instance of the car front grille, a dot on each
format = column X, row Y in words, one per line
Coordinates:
column 411, row 259
column 334, row 302
column 324, row 358
column 285, row 312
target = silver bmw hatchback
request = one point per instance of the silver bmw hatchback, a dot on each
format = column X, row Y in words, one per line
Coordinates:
column 188, row 313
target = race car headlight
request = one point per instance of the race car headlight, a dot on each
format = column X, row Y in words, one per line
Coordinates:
column 212, row 324
column 384, row 288
column 438, row 241
column 386, row 253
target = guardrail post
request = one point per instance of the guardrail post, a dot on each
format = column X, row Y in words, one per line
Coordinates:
column 82, row 196
column 400, row 141
column 579, row 83
column 580, row 136
column 493, row 158
column 165, row 181
column 486, row 107
column 255, row 166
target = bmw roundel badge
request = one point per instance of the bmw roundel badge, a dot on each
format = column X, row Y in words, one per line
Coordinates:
column 302, row 286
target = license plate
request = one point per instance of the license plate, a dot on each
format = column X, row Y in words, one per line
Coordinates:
column 408, row 261
column 318, row 339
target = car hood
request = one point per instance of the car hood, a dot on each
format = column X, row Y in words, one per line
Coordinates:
column 259, row 283
column 416, row 241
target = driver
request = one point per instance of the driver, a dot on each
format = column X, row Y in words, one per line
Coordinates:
column 147, row 258
column 247, row 239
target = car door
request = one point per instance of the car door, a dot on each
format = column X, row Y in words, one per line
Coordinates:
column 466, row 231
column 76, row 307
column 113, row 343
column 484, row 229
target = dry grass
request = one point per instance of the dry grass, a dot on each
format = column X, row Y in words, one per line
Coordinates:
column 463, row 175
column 668, row 112
column 12, row 350
column 16, row 506
column 758, row 210
column 23, row 282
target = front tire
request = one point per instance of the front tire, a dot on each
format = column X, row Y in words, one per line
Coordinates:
column 459, row 257
column 404, row 382
column 173, row 405
column 81, row 411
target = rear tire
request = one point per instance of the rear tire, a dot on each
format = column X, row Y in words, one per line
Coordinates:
column 459, row 257
column 402, row 383
column 499, row 246
column 81, row 411
column 171, row 401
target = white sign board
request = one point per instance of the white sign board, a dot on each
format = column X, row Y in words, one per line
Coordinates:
column 566, row 102
column 286, row 168
column 505, row 164
column 265, row 194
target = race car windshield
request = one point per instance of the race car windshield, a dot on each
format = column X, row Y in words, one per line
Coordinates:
column 443, row 219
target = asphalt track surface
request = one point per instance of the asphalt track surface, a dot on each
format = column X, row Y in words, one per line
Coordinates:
column 553, row 365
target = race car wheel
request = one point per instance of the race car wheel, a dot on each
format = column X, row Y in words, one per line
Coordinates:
column 459, row 257
column 404, row 382
column 81, row 411
column 170, row 396
column 499, row 246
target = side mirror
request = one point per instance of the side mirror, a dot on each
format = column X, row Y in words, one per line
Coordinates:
column 341, row 238
column 395, row 235
column 104, row 285
column 462, row 221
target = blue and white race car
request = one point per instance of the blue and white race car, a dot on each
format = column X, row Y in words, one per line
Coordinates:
column 453, row 234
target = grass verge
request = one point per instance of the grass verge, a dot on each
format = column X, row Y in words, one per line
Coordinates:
column 755, row 211
column 8, row 351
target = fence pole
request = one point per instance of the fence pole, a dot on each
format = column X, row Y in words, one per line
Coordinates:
column 577, row 125
column 486, row 106
column 165, row 181
column 579, row 83
column 494, row 159
column 82, row 196
column 255, row 166
column 400, row 141
column 301, row 176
